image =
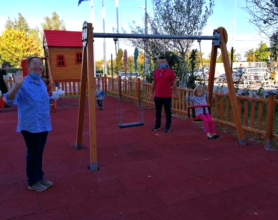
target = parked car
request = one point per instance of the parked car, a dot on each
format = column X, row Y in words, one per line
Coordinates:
column 202, row 74
column 128, row 75
column 98, row 75
column 245, row 74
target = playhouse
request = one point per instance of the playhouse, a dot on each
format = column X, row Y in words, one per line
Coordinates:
column 63, row 54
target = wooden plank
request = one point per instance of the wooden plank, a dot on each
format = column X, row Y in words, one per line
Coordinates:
column 180, row 100
column 183, row 99
column 227, row 113
column 70, row 87
column 216, row 106
column 139, row 90
column 66, row 88
column 252, row 117
column 260, row 117
column 270, row 117
column 82, row 99
column 91, row 98
column 228, row 71
column 245, row 122
column 221, row 107
column 212, row 72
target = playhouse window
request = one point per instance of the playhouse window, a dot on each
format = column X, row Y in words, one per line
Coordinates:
column 78, row 58
column 61, row 62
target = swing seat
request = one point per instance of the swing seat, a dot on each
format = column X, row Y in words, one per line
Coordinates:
column 132, row 124
column 192, row 108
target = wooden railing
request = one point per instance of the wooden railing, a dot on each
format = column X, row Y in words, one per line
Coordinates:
column 257, row 114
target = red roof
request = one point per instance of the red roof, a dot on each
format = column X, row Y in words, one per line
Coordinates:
column 57, row 38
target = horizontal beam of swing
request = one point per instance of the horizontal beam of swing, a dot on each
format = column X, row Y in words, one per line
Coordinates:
column 148, row 36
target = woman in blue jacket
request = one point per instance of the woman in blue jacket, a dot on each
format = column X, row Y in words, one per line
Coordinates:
column 30, row 95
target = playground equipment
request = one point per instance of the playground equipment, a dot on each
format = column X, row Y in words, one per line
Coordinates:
column 132, row 124
column 219, row 40
column 192, row 115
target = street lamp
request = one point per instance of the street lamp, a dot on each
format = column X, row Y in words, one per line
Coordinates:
column 146, row 41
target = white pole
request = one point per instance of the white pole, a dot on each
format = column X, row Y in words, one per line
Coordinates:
column 104, row 44
column 146, row 42
column 117, row 17
column 234, row 24
column 92, row 21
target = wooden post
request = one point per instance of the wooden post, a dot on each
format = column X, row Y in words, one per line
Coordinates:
column 112, row 65
column 50, row 76
column 82, row 100
column 139, row 91
column 232, row 92
column 105, row 84
column 270, row 117
column 88, row 74
column 212, row 72
column 92, row 100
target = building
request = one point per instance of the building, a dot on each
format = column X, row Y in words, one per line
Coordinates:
column 63, row 54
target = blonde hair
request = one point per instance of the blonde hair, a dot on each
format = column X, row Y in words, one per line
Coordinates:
column 199, row 88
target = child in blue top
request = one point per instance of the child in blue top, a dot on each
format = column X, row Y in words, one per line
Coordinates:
column 200, row 98
column 99, row 93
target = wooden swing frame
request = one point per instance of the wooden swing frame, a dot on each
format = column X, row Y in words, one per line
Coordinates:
column 219, row 39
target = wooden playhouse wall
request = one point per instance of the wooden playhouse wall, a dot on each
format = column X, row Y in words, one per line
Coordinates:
column 71, row 70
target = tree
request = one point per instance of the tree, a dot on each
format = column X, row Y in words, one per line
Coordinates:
column 274, row 46
column 9, row 24
column 173, row 17
column 264, row 14
column 21, row 24
column 53, row 23
column 99, row 65
column 15, row 46
column 119, row 59
column 262, row 53
column 18, row 24
column 220, row 60
column 250, row 55
column 37, row 35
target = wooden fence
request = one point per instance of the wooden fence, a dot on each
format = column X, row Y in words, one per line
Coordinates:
column 257, row 114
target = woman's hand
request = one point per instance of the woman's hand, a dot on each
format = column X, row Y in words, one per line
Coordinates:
column 18, row 78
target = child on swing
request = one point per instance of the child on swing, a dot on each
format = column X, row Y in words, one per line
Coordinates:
column 199, row 97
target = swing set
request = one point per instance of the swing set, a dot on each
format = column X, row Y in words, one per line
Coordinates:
column 219, row 40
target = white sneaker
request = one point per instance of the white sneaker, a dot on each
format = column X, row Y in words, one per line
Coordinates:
column 46, row 183
column 38, row 187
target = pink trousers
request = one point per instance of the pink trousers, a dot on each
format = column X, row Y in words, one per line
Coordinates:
column 209, row 124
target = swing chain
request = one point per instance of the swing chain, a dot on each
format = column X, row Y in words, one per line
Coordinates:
column 119, row 97
column 203, row 69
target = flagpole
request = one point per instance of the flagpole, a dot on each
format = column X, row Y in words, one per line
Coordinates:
column 92, row 21
column 146, row 42
column 104, row 44
column 117, row 17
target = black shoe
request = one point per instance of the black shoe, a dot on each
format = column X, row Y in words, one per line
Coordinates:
column 155, row 128
column 216, row 136
column 7, row 106
column 211, row 137
column 167, row 129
